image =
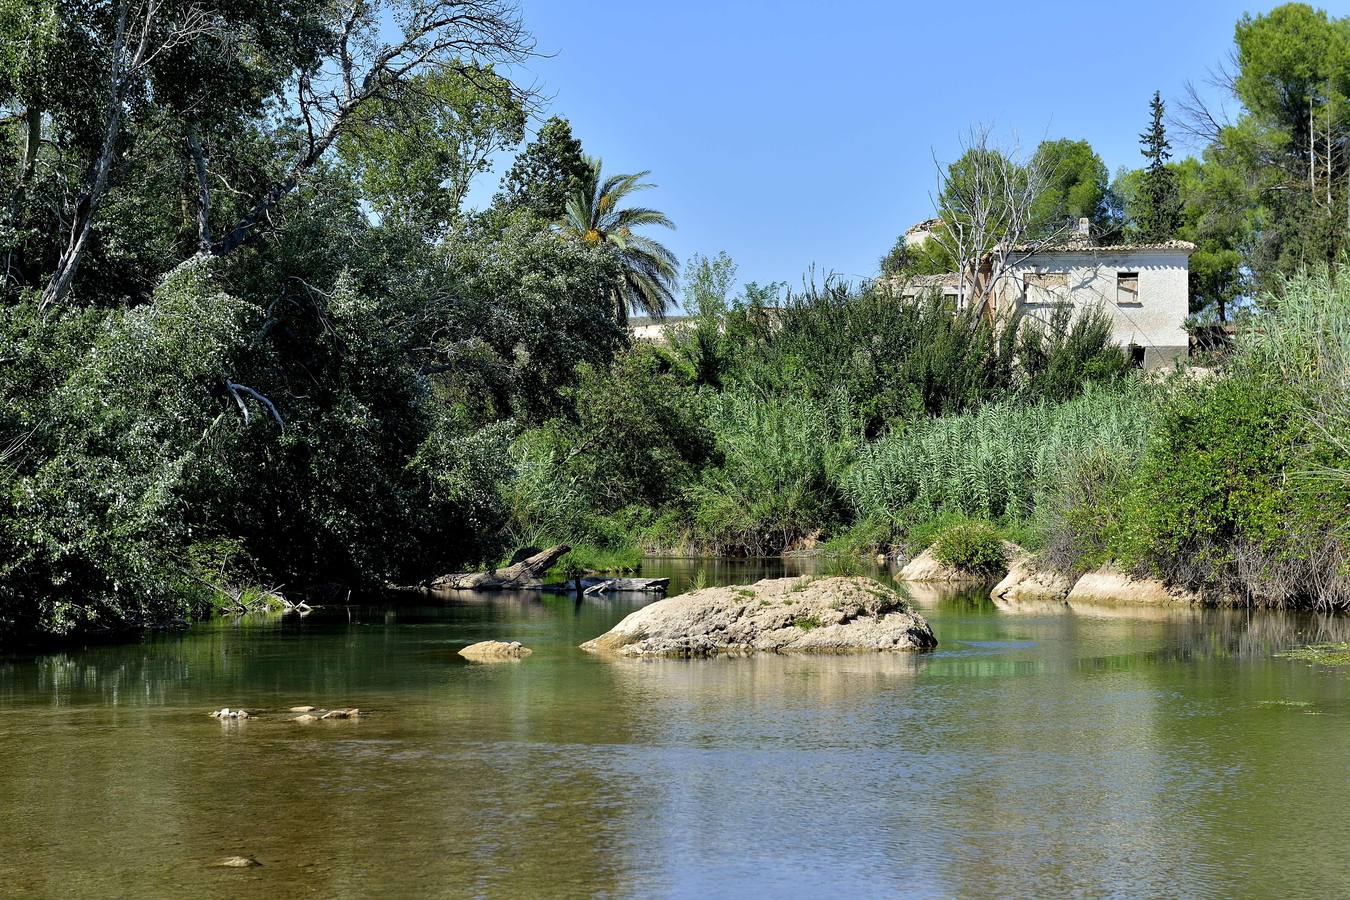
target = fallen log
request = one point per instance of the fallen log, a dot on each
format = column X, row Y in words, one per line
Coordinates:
column 629, row 585
column 524, row 574
column 595, row 586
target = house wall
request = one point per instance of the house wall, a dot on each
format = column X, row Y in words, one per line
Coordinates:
column 1154, row 323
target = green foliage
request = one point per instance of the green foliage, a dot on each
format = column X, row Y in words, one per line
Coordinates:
column 1003, row 461
column 585, row 559
column 974, row 547
column 596, row 216
column 547, row 172
column 417, row 149
column 774, row 476
column 1158, row 217
column 1055, row 359
column 1076, row 186
column 111, row 423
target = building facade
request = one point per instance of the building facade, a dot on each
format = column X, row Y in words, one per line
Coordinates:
column 1144, row 290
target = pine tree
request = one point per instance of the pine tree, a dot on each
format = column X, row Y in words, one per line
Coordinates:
column 1159, row 215
column 546, row 173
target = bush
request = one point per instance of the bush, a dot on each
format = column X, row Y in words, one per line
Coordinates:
column 775, row 474
column 973, row 547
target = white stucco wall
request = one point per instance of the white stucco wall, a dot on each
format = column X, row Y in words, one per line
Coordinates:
column 1155, row 322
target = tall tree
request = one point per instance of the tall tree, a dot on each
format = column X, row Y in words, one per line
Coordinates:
column 648, row 270
column 1159, row 200
column 545, row 174
column 1075, row 185
column 985, row 202
column 418, row 150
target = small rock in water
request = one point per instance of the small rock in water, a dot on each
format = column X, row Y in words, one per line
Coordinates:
column 238, row 862
column 227, row 713
column 342, row 714
column 305, row 718
column 303, row 709
column 489, row 651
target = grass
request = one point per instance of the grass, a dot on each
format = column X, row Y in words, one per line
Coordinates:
column 806, row 623
column 998, row 463
column 585, row 558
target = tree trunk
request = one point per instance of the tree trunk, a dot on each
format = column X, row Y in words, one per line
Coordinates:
column 203, row 191
column 32, row 138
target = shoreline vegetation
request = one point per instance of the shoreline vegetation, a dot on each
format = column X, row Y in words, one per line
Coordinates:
column 267, row 344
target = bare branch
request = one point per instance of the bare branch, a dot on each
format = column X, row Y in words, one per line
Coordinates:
column 237, row 389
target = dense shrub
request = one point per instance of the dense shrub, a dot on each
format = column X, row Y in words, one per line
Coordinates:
column 974, row 547
column 774, row 478
column 116, row 418
column 1005, row 460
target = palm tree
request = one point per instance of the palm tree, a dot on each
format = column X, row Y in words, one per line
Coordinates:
column 648, row 270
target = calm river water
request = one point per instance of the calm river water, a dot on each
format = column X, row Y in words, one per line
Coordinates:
column 1037, row 752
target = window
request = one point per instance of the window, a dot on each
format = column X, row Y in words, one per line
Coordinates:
column 1045, row 287
column 1127, row 287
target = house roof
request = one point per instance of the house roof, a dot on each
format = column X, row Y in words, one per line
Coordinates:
column 1088, row 246
column 925, row 225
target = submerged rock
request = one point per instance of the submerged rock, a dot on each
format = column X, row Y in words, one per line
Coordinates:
column 1109, row 585
column 495, row 651
column 779, row 615
column 237, row 862
column 342, row 714
column 228, row 713
column 1028, row 583
column 305, row 718
column 303, row 709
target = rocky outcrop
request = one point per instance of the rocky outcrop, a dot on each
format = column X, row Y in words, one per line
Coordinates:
column 927, row 568
column 1109, row 585
column 781, row 615
column 1028, row 583
column 492, row 651
column 527, row 573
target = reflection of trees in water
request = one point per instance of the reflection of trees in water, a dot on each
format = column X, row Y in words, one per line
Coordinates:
column 461, row 778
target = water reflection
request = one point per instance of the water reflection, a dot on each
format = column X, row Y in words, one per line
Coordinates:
column 1039, row 751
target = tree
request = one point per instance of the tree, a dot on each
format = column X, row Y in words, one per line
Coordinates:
column 1288, row 150
column 708, row 284
column 545, row 174
column 417, row 150
column 596, row 215
column 1075, row 186
column 1159, row 200
column 142, row 59
column 985, row 202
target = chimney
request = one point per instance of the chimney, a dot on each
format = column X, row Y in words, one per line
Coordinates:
column 1084, row 228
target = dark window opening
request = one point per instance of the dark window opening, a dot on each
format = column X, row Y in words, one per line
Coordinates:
column 1127, row 287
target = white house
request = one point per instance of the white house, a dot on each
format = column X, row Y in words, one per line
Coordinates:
column 1143, row 288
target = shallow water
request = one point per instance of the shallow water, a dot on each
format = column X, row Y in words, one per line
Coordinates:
column 1037, row 752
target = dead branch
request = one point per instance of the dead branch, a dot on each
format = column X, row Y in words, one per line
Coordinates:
column 237, row 390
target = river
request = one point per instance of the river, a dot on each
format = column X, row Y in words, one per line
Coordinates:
column 1036, row 752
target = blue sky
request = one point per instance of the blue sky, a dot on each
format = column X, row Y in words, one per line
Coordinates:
column 799, row 133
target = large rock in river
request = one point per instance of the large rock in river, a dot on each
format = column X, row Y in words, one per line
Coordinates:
column 927, row 568
column 1110, row 585
column 778, row 615
column 1027, row 582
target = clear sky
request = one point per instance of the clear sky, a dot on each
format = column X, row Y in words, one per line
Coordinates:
column 799, row 133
